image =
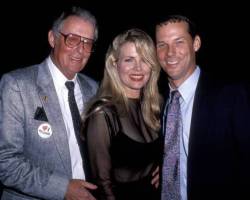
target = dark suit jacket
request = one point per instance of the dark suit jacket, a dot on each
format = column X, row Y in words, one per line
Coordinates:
column 219, row 142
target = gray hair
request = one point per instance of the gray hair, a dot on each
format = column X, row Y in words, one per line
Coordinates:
column 75, row 11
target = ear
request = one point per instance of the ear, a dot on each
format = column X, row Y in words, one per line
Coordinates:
column 114, row 64
column 197, row 43
column 113, row 61
column 51, row 38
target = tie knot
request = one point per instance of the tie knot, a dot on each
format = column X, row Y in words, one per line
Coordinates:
column 175, row 95
column 70, row 85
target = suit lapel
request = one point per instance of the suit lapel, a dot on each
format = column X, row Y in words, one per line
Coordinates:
column 201, row 108
column 86, row 95
column 166, row 95
column 52, row 108
column 200, row 116
column 85, row 88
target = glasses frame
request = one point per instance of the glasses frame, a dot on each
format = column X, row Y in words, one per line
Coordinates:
column 84, row 40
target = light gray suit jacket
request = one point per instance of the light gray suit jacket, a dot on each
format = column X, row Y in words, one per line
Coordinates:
column 31, row 166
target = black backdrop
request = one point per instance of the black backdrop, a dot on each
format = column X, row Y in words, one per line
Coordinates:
column 225, row 38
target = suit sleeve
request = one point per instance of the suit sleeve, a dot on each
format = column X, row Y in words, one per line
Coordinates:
column 17, row 170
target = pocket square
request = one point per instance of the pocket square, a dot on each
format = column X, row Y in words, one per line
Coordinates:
column 40, row 114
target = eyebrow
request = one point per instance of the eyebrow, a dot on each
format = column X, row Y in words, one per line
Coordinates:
column 82, row 37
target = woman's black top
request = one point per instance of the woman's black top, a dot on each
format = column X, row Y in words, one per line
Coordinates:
column 123, row 152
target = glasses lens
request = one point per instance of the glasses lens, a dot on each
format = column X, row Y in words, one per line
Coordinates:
column 72, row 40
column 88, row 45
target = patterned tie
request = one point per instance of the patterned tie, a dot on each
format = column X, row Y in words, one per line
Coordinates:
column 171, row 165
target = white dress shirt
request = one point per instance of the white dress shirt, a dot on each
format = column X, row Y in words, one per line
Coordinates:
column 62, row 92
column 187, row 91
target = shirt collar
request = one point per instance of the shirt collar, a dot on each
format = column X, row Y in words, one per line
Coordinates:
column 188, row 87
column 58, row 77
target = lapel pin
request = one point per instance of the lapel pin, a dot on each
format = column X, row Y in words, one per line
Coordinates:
column 45, row 98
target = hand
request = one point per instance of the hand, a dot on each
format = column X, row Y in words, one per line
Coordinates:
column 155, row 177
column 78, row 190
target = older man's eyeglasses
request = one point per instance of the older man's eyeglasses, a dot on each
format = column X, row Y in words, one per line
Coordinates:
column 72, row 40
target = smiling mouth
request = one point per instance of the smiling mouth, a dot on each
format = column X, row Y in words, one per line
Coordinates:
column 172, row 62
column 136, row 77
column 76, row 59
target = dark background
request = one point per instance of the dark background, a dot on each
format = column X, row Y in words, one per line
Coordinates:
column 223, row 29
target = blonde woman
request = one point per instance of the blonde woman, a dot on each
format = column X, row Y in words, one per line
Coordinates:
column 122, row 122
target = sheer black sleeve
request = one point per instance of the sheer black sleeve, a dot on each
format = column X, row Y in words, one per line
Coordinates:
column 98, row 144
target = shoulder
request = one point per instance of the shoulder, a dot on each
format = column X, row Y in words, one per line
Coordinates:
column 86, row 80
column 22, row 73
column 216, row 85
column 19, row 77
column 226, row 92
column 100, row 111
column 102, row 106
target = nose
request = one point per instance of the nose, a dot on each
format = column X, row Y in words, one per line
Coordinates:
column 138, row 66
column 80, row 48
column 171, row 50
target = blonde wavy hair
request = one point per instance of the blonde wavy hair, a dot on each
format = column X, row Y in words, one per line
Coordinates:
column 111, row 87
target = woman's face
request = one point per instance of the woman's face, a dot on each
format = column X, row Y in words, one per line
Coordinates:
column 133, row 71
